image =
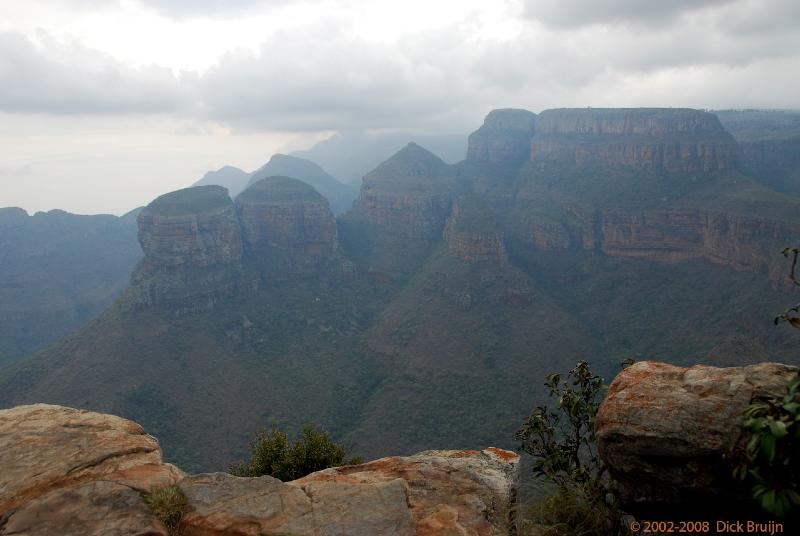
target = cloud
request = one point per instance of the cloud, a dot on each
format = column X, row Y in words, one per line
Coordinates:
column 573, row 13
column 62, row 79
column 189, row 8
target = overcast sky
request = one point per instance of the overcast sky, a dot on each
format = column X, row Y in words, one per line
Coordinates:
column 105, row 104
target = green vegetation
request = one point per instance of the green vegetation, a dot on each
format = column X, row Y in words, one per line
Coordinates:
column 772, row 455
column 190, row 201
column 169, row 504
column 280, row 189
column 564, row 447
column 757, row 125
column 273, row 455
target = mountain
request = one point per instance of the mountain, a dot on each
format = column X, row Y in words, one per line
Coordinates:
column 230, row 177
column 340, row 196
column 769, row 145
column 430, row 312
column 58, row 270
column 351, row 155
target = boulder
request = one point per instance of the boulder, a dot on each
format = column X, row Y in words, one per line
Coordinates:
column 434, row 493
column 667, row 434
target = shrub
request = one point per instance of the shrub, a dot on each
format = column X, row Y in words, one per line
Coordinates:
column 563, row 445
column 772, row 455
column 169, row 505
column 273, row 455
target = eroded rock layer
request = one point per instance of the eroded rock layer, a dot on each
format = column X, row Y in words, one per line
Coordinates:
column 472, row 234
column 667, row 434
column 675, row 140
column 408, row 195
column 504, row 137
column 286, row 224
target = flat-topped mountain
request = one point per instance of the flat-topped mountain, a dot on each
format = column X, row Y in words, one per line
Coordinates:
column 442, row 297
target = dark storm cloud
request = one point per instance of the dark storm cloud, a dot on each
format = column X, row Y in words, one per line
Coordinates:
column 69, row 79
column 572, row 13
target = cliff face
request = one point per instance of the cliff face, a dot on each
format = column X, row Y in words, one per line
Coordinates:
column 679, row 140
column 745, row 243
column 472, row 235
column 193, row 250
column 409, row 195
column 286, row 225
column 504, row 137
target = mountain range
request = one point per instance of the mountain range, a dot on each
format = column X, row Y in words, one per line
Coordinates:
column 429, row 313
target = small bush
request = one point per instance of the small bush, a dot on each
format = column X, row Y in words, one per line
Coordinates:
column 169, row 505
column 273, row 455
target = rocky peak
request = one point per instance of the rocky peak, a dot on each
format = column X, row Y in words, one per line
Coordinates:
column 286, row 224
column 503, row 138
column 192, row 246
column 472, row 234
column 409, row 194
column 676, row 140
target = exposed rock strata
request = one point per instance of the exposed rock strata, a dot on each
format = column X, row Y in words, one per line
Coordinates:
column 409, row 195
column 71, row 472
column 193, row 250
column 286, row 224
column 665, row 432
column 504, row 137
column 744, row 243
column 472, row 235
column 675, row 140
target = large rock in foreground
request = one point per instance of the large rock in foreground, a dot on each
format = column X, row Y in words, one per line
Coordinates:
column 666, row 433
column 67, row 472
column 57, row 463
column 434, row 493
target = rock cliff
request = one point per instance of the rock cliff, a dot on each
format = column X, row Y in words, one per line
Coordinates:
column 472, row 233
column 286, row 225
column 745, row 243
column 504, row 137
column 675, row 140
column 666, row 433
column 192, row 249
column 72, row 472
column 408, row 195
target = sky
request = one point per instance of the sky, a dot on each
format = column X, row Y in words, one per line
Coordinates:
column 106, row 104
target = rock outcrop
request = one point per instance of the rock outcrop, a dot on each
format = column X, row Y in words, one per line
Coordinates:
column 71, row 472
column 286, row 225
column 408, row 195
column 674, row 140
column 666, row 433
column 193, row 250
column 745, row 243
column 67, row 471
column 472, row 234
column 504, row 137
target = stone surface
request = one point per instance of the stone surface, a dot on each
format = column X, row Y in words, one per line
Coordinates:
column 286, row 225
column 435, row 493
column 504, row 137
column 45, row 447
column 449, row 492
column 472, row 234
column 664, row 432
column 93, row 509
column 676, row 140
